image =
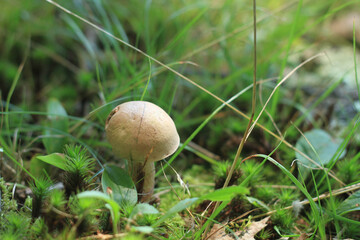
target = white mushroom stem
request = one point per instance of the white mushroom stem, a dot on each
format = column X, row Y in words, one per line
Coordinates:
column 143, row 175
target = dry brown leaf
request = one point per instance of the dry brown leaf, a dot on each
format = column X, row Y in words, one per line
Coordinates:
column 218, row 231
column 250, row 231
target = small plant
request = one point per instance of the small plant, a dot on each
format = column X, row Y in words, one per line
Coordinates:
column 57, row 199
column 266, row 194
column 248, row 168
column 17, row 225
column 84, row 221
column 286, row 197
column 40, row 189
column 39, row 229
column 78, row 166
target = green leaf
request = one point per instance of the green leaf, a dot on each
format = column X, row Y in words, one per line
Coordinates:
column 119, row 176
column 55, row 159
column 321, row 149
column 37, row 167
column 183, row 204
column 58, row 125
column 350, row 204
column 111, row 204
column 143, row 208
column 55, row 108
column 111, row 178
column 258, row 203
column 225, row 194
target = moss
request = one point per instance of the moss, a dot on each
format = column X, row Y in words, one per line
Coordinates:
column 7, row 204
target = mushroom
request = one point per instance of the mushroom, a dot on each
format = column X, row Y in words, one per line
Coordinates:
column 142, row 133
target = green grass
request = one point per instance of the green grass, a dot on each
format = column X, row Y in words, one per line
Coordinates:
column 65, row 68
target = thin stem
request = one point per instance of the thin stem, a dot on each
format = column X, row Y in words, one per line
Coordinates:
column 241, row 145
column 253, row 101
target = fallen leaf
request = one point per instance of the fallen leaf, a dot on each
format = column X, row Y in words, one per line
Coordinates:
column 250, row 231
column 218, row 231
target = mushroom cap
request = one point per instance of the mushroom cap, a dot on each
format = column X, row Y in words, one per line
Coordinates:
column 141, row 131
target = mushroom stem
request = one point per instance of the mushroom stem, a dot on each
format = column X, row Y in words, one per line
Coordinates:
column 143, row 175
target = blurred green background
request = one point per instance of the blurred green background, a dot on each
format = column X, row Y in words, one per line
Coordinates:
column 210, row 42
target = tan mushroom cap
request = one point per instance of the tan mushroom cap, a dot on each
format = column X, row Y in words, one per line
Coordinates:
column 140, row 130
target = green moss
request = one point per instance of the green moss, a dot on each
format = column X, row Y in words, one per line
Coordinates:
column 266, row 194
column 349, row 170
column 7, row 204
column 283, row 219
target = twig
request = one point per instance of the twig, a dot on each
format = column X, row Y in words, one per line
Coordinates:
column 322, row 196
column 187, row 209
column 203, row 150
